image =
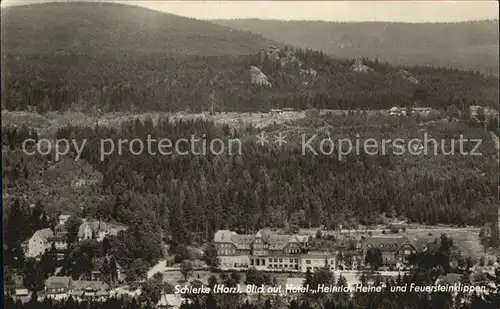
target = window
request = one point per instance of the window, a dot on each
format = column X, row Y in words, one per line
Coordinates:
column 308, row 262
column 281, row 260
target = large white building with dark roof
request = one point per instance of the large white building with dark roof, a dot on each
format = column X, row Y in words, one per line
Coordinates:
column 265, row 250
column 274, row 251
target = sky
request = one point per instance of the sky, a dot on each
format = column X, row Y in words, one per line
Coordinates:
column 395, row 11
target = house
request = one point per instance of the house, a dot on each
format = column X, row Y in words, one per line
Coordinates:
column 22, row 294
column 60, row 230
column 44, row 239
column 60, row 242
column 233, row 249
column 474, row 110
column 12, row 281
column 275, row 251
column 315, row 261
column 395, row 249
column 63, row 219
column 93, row 230
column 38, row 243
column 264, row 250
column 58, row 287
column 115, row 270
column 115, row 228
column 90, row 290
column 347, row 251
column 173, row 301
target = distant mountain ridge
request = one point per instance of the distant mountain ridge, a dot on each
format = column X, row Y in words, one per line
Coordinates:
column 464, row 45
column 94, row 28
column 115, row 57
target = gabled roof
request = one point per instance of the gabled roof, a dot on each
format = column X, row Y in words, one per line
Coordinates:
column 44, row 234
column 243, row 241
column 56, row 282
column 85, row 285
column 170, row 300
column 95, row 226
column 22, row 292
column 223, row 236
column 275, row 240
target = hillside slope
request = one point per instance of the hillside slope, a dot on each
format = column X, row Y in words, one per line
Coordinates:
column 465, row 45
column 93, row 28
column 228, row 83
column 114, row 57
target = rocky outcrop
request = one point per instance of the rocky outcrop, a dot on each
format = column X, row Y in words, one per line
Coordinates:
column 289, row 58
column 359, row 67
column 284, row 57
column 407, row 76
column 258, row 78
column 271, row 52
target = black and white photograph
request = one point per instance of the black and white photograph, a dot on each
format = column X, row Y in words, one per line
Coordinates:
column 250, row 154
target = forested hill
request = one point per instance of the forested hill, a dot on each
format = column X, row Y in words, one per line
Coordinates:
column 95, row 28
column 224, row 83
column 111, row 57
column 465, row 45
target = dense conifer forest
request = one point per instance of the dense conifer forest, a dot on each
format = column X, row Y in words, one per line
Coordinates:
column 158, row 82
column 189, row 197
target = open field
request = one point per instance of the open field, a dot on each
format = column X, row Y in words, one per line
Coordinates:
column 48, row 124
